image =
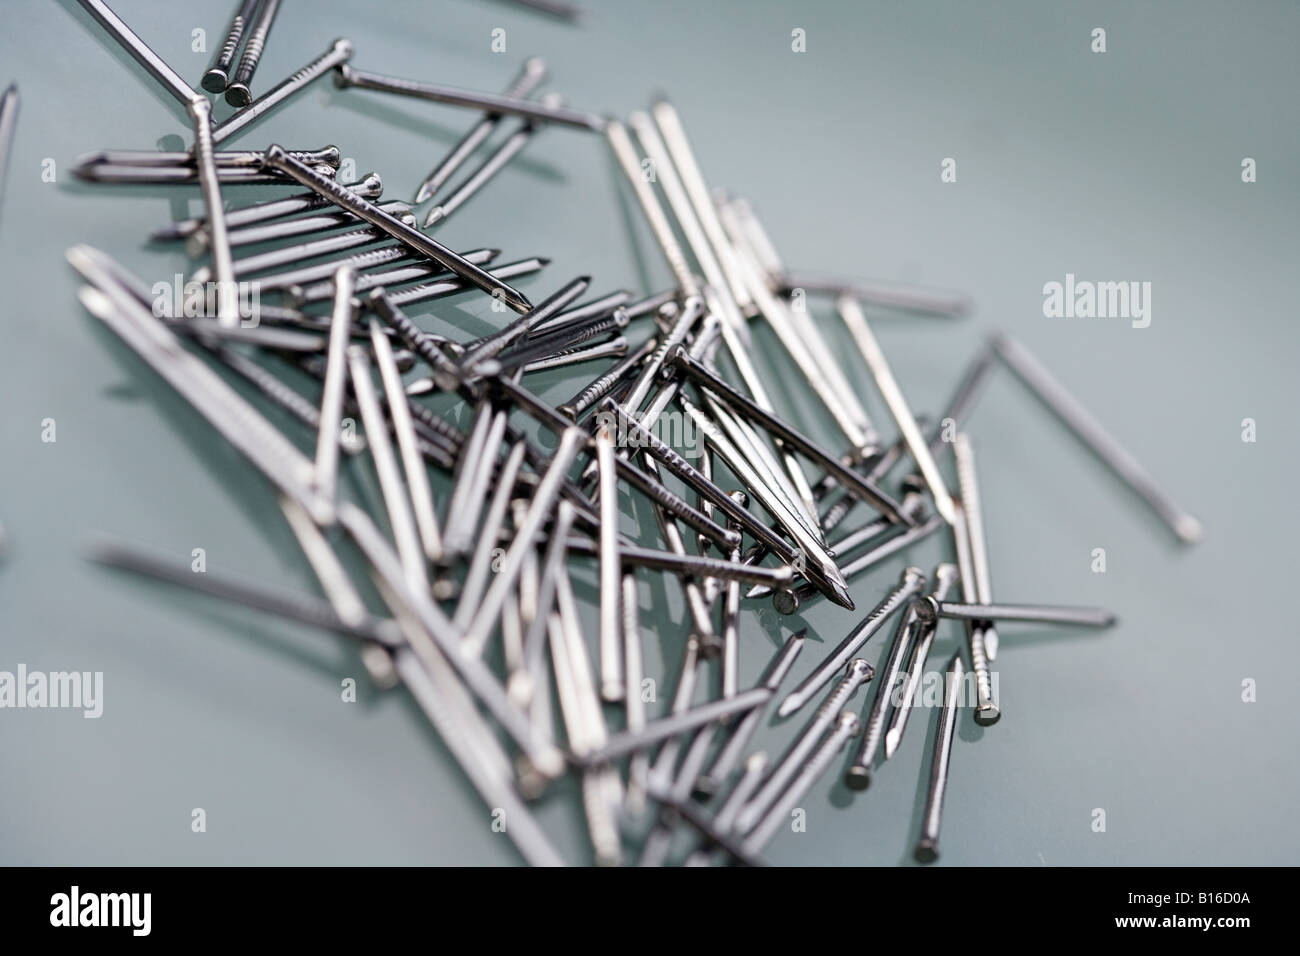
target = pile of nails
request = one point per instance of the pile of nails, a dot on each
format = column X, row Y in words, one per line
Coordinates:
column 481, row 622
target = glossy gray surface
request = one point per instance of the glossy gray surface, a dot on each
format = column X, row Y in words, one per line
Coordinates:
column 1116, row 166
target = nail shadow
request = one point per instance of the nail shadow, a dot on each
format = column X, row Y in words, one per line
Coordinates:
column 456, row 777
column 124, row 59
column 213, row 452
column 631, row 222
column 917, row 819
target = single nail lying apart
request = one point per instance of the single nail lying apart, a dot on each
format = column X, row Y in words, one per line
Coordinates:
column 8, row 119
column 927, row 847
column 1090, row 432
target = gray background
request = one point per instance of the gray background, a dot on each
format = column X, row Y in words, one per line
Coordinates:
column 1117, row 166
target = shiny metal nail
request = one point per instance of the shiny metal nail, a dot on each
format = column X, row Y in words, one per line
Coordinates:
column 417, row 479
column 968, row 486
column 1023, row 613
column 390, row 278
column 630, row 163
column 271, row 231
column 731, row 616
column 473, row 468
column 813, row 551
column 613, row 685
column 224, row 159
column 692, row 179
column 8, row 119
column 238, row 421
column 1088, row 430
column 481, row 562
column 437, row 634
column 969, row 388
column 846, row 727
column 200, row 111
column 496, row 791
column 884, row 294
column 614, row 348
column 530, row 76
column 874, row 356
column 696, row 603
column 494, row 163
column 369, row 186
column 856, row 483
column 638, row 768
column 331, row 408
column 788, row 602
column 313, row 248
column 544, row 496
column 446, row 372
column 451, row 286
column 237, row 93
column 301, row 607
column 497, row 342
column 927, row 847
column 625, row 742
column 400, row 518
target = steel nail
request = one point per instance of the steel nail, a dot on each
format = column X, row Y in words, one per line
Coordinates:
column 369, row 186
column 417, row 479
column 400, row 519
column 874, row 356
column 1024, row 613
column 625, row 742
column 927, row 847
column 530, row 75
column 331, row 409
column 1088, row 430
column 347, row 76
column 200, row 111
column 277, row 158
column 8, row 119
